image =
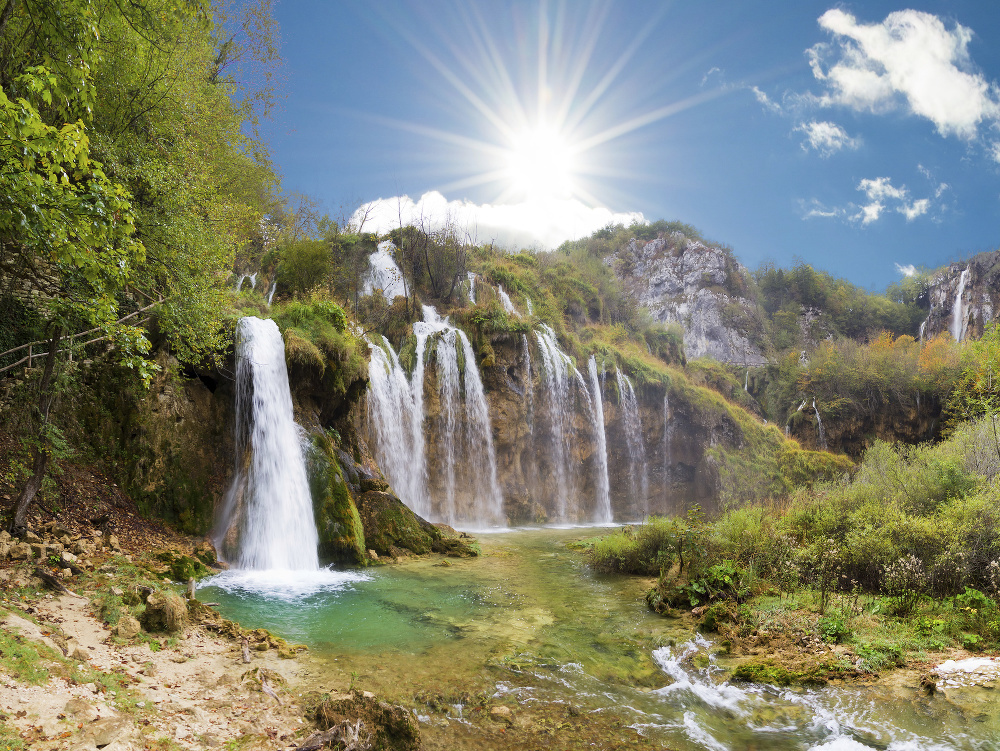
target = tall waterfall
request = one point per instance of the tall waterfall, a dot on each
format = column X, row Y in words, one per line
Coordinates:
column 267, row 515
column 463, row 486
column 602, row 510
column 559, row 397
column 958, row 316
column 394, row 415
column 639, row 476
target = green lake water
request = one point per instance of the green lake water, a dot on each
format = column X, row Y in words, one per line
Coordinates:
column 578, row 657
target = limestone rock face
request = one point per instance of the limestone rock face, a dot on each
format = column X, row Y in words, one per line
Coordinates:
column 702, row 288
column 980, row 298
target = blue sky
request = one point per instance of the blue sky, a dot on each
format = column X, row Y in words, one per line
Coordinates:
column 856, row 136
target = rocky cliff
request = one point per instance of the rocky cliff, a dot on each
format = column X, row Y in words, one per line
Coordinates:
column 703, row 288
column 964, row 298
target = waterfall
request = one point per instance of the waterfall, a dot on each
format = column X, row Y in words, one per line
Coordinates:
column 384, row 274
column 923, row 327
column 398, row 424
column 819, row 426
column 270, row 293
column 959, row 320
column 531, row 308
column 602, row 510
column 638, row 476
column 472, row 287
column 466, row 473
column 507, row 304
column 557, row 391
column 253, row 280
column 268, row 507
column 239, row 281
column 746, row 382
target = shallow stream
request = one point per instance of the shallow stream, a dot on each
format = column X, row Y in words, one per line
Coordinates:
column 577, row 656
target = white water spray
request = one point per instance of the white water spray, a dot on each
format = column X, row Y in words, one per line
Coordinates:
column 472, row 287
column 268, row 507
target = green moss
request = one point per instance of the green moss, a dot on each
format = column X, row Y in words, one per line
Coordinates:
column 389, row 524
column 341, row 534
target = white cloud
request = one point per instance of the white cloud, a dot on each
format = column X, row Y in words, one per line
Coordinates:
column 912, row 58
column 825, row 137
column 539, row 223
column 880, row 192
column 769, row 104
column 880, row 196
column 995, row 151
column 907, row 270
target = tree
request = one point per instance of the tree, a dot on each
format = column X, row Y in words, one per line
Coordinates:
column 66, row 229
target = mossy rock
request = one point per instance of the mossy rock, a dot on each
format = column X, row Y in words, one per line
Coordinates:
column 388, row 523
column 183, row 567
column 373, row 483
column 341, row 533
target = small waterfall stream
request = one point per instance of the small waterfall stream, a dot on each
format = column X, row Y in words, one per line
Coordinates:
column 505, row 300
column 384, row 274
column 819, row 427
column 639, row 475
column 959, row 320
column 267, row 520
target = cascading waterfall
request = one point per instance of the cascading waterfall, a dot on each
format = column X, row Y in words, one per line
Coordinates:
column 557, row 391
column 507, row 304
column 384, row 274
column 602, row 509
column 270, row 293
column 639, row 476
column 268, row 508
column 397, row 422
column 959, row 320
column 472, row 287
column 465, row 437
column 531, row 308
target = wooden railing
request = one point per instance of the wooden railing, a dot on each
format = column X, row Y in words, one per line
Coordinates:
column 33, row 355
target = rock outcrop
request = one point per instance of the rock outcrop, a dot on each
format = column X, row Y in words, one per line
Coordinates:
column 968, row 313
column 703, row 288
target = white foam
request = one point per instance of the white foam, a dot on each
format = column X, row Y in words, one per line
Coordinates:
column 285, row 585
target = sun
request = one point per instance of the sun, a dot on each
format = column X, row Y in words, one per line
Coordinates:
column 541, row 164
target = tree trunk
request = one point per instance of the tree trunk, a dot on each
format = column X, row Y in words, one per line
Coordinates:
column 40, row 452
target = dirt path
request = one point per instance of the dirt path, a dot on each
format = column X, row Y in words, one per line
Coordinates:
column 191, row 692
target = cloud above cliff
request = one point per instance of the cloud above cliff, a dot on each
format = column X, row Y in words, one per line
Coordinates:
column 536, row 224
column 880, row 197
column 911, row 60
